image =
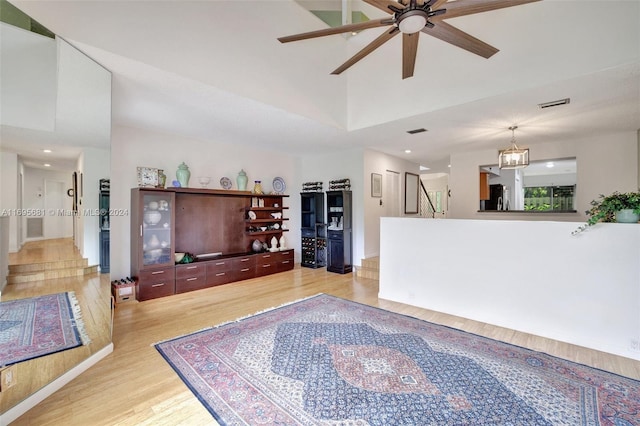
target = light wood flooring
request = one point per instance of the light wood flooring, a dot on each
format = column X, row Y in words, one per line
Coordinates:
column 93, row 294
column 135, row 386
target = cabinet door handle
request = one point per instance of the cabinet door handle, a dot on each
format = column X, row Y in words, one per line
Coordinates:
column 220, row 263
column 192, row 279
column 265, row 256
column 157, row 272
column 246, row 259
column 244, row 270
column 219, row 274
column 266, row 266
column 285, row 261
column 191, row 267
column 141, row 230
column 157, row 285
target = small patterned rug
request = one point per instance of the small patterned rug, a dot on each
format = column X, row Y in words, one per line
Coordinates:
column 329, row 361
column 38, row 326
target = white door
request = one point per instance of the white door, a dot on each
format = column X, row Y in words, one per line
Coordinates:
column 391, row 194
column 55, row 221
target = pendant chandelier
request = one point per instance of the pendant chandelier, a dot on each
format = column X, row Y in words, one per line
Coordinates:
column 513, row 157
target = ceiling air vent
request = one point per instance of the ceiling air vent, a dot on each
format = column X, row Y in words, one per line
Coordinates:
column 414, row 131
column 559, row 102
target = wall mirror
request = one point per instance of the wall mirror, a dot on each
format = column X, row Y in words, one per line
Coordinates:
column 411, row 194
column 56, row 98
column 543, row 186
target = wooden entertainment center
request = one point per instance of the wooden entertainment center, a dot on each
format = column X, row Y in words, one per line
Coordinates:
column 218, row 226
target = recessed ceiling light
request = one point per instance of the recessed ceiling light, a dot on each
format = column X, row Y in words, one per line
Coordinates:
column 550, row 164
column 407, row 151
column 423, row 168
column 449, row 165
column 47, row 165
column 46, row 151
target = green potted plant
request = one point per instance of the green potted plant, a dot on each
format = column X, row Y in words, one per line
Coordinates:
column 616, row 207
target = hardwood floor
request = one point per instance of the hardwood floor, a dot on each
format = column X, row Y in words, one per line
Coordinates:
column 135, row 386
column 93, row 294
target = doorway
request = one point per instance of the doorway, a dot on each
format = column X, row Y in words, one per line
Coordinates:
column 57, row 224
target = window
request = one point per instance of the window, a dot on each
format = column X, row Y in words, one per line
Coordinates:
column 548, row 198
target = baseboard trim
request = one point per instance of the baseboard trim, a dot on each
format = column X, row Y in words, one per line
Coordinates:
column 39, row 396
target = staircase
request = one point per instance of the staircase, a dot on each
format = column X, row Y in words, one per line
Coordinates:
column 370, row 268
column 47, row 259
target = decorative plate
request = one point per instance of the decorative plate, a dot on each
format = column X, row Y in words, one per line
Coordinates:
column 226, row 183
column 147, row 176
column 278, row 185
column 252, row 215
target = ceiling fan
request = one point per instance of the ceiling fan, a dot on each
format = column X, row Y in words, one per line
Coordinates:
column 410, row 17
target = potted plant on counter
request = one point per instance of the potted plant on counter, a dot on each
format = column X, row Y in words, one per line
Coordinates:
column 622, row 207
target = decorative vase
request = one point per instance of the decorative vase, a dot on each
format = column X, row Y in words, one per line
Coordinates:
column 242, row 181
column 257, row 187
column 162, row 179
column 274, row 244
column 283, row 243
column 183, row 174
column 627, row 216
column 152, row 217
column 154, row 242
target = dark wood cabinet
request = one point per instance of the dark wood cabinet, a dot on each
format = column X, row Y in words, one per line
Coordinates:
column 313, row 231
column 339, row 252
column 214, row 225
column 103, row 203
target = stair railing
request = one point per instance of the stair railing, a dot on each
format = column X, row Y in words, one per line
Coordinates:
column 426, row 205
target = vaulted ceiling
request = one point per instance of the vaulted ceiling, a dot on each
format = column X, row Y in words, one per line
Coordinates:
column 214, row 70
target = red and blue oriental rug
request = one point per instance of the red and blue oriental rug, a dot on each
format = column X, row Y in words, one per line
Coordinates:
column 329, row 361
column 38, row 326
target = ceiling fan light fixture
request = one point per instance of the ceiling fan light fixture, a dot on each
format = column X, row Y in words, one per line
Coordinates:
column 413, row 23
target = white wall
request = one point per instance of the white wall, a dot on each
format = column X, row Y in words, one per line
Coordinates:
column 604, row 164
column 582, row 289
column 94, row 164
column 34, row 196
column 132, row 147
column 9, row 193
column 377, row 162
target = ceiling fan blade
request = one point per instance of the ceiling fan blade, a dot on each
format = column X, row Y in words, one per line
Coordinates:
column 337, row 30
column 383, row 4
column 451, row 34
column 409, row 52
column 437, row 4
column 468, row 7
column 383, row 38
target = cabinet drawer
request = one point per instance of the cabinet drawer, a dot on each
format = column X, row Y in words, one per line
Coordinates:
column 220, row 265
column 265, row 258
column 219, row 277
column 191, row 283
column 266, row 268
column 248, row 271
column 190, row 270
column 156, row 275
column 151, row 290
column 243, row 262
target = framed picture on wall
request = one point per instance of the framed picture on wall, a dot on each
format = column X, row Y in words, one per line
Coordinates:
column 376, row 185
column 411, row 194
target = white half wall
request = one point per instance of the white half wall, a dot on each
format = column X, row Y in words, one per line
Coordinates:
column 9, row 194
column 582, row 289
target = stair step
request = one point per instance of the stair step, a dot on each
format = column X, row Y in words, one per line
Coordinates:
column 28, row 268
column 368, row 273
column 371, row 263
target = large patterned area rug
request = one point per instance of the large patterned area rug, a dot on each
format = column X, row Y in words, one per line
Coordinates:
column 329, row 361
column 38, row 326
